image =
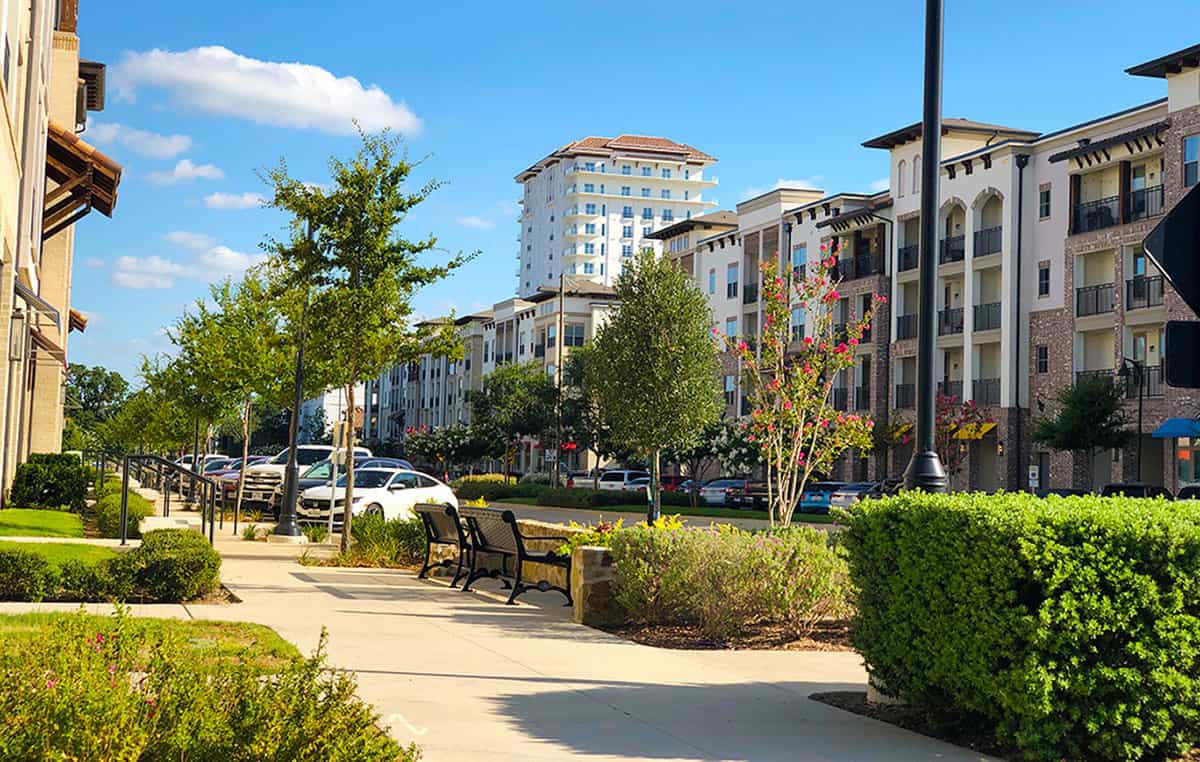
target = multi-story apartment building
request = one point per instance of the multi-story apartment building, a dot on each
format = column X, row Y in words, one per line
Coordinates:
column 49, row 179
column 587, row 207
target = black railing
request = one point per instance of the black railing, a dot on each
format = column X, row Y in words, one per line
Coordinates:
column 1143, row 291
column 841, row 398
column 866, row 335
column 987, row 316
column 165, row 475
column 906, row 396
column 950, row 321
column 1152, row 381
column 750, row 293
column 1147, row 202
column 867, row 264
column 1094, row 300
column 952, row 249
column 988, row 240
column 842, row 270
column 986, row 391
column 909, row 257
column 1097, row 215
column 952, row 389
column 862, row 397
column 906, row 327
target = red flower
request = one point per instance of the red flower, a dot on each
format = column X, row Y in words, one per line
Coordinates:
column 808, row 340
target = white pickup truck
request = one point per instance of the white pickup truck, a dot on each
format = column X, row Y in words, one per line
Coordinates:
column 263, row 479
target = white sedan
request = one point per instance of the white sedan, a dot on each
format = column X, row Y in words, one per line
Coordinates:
column 391, row 492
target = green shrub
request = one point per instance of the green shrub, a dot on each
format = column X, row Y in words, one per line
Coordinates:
column 399, row 542
column 80, row 580
column 1070, row 625
column 315, row 532
column 649, row 582
column 172, row 565
column 122, row 692
column 474, row 478
column 108, row 514
column 50, row 480
column 25, row 575
column 492, row 491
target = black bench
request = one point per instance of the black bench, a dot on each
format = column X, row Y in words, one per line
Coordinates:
column 497, row 533
column 443, row 527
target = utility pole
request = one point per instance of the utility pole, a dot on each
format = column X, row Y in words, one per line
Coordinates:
column 925, row 470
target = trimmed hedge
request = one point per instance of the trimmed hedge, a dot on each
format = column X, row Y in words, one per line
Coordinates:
column 492, row 491
column 108, row 513
column 1069, row 625
column 586, row 498
column 50, row 480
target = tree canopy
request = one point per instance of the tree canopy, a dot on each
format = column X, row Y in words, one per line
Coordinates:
column 1090, row 418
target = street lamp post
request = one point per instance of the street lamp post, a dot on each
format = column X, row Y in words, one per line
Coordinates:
column 287, row 525
column 925, row 470
column 1137, row 370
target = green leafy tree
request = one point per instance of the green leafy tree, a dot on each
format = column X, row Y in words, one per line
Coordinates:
column 655, row 364
column 358, row 273
column 92, row 395
column 516, row 401
column 794, row 418
column 582, row 419
column 1090, row 418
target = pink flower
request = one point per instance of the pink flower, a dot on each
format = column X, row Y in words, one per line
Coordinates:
column 51, row 683
column 840, row 348
column 808, row 340
column 787, row 404
column 807, row 368
column 714, row 333
column 742, row 346
column 822, row 247
column 750, row 438
column 854, row 342
column 824, row 423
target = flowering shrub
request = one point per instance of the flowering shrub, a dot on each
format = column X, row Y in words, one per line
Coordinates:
column 725, row 580
column 794, row 419
column 950, row 417
column 600, row 534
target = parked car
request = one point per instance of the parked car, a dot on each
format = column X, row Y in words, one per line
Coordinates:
column 751, row 497
column 641, row 484
column 1061, row 492
column 671, row 483
column 186, row 460
column 580, row 479
column 1134, row 489
column 391, row 492
column 1188, row 493
column 216, row 465
column 817, row 496
column 719, row 491
column 852, row 493
column 321, row 473
column 261, row 480
column 619, row 479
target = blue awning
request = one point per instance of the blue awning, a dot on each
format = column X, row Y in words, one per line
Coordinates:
column 1178, row 427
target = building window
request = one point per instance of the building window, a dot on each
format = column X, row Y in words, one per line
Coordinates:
column 573, row 335
column 1044, row 202
column 626, row 190
column 590, row 228
column 590, row 166
column 799, row 259
column 627, row 231
column 731, row 281
column 589, row 208
column 627, row 212
column 647, row 213
column 668, row 215
column 626, row 250
column 666, row 193
column 626, row 169
column 647, row 231
column 730, row 390
column 1043, row 358
column 645, row 193
column 797, row 324
column 589, row 268
column 645, row 171
column 901, row 177
column 1044, row 278
column 589, row 188
column 589, row 248
column 1191, row 160
column 916, row 184
column 712, row 281
column 666, row 173
column 731, row 327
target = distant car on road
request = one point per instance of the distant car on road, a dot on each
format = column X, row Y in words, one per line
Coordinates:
column 817, row 496
column 620, row 479
column 719, row 491
column 1189, row 493
column 1061, row 492
column 321, row 473
column 852, row 493
column 671, row 483
column 391, row 493
column 1134, row 489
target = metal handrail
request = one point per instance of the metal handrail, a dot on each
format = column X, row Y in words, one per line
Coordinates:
column 163, row 467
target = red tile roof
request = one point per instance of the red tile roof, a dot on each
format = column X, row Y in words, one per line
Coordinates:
column 601, row 146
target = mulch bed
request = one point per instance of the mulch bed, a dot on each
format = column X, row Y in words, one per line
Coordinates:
column 958, row 730
column 828, row 636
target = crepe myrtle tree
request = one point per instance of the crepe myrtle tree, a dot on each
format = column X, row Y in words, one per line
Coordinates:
column 952, row 417
column 790, row 384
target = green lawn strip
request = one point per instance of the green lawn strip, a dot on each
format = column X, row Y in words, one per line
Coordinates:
column 700, row 511
column 58, row 552
column 211, row 642
column 26, row 522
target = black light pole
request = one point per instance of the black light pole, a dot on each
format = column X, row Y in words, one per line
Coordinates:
column 1138, row 372
column 287, row 525
column 925, row 470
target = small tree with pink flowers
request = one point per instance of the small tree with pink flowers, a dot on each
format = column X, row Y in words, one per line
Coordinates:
column 790, row 383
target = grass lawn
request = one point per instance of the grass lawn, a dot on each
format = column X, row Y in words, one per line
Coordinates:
column 58, row 552
column 704, row 511
column 26, row 522
column 211, row 642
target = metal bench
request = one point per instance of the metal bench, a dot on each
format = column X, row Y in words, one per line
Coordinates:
column 443, row 527
column 498, row 533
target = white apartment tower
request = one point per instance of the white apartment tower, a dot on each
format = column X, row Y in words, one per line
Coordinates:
column 588, row 206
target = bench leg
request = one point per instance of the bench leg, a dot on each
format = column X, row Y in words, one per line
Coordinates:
column 459, row 571
column 472, row 574
column 426, row 567
column 517, row 587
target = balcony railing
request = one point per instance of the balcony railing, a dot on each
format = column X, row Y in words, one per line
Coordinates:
column 867, row 264
column 952, row 249
column 909, row 257
column 987, row 316
column 842, row 270
column 906, row 396
column 988, row 240
column 1143, row 291
column 906, row 327
column 950, row 321
column 1097, row 215
column 950, row 389
column 1094, row 300
column 1147, row 202
column 986, row 391
column 1152, row 380
column 862, row 397
column 841, row 398
column 750, row 293
column 1080, row 375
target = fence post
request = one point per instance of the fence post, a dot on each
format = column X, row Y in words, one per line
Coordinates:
column 125, row 500
column 192, row 491
column 164, row 486
column 212, row 503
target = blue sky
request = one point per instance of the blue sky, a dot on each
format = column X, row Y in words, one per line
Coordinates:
column 787, row 92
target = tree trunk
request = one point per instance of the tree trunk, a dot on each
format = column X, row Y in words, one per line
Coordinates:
column 348, row 495
column 237, row 504
column 655, row 491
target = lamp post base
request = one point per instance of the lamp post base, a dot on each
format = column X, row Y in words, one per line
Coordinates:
column 288, row 539
column 925, row 472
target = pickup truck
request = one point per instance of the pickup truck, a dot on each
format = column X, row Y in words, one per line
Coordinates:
column 261, row 480
column 751, row 497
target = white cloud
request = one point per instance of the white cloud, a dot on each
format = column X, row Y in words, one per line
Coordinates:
column 880, row 185
column 216, row 80
column 141, row 142
column 233, row 200
column 220, row 261
column 476, row 223
column 185, row 171
column 193, row 241
column 94, row 263
column 804, row 183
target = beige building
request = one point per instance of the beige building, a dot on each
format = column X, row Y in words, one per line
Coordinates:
column 49, row 179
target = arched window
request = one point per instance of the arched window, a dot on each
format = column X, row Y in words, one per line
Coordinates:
column 917, row 174
column 901, row 177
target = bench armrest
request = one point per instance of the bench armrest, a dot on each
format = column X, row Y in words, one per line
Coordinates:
column 533, row 537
